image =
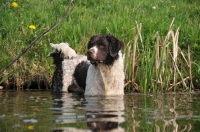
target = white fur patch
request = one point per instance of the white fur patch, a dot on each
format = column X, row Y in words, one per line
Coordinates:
column 95, row 50
column 106, row 80
column 68, row 66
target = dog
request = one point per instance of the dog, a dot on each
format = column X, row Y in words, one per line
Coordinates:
column 101, row 72
column 105, row 74
column 65, row 60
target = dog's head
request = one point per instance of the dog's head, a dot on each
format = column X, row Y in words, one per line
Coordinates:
column 103, row 49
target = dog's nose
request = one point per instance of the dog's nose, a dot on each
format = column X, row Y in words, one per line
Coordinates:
column 90, row 51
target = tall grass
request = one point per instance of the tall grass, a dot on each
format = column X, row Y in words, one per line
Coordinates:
column 156, row 67
column 87, row 18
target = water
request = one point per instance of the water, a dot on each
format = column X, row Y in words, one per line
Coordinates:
column 41, row 111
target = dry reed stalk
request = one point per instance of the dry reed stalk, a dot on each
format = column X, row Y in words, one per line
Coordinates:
column 128, row 47
column 175, row 50
column 175, row 44
column 165, row 52
column 128, row 52
column 187, row 62
column 164, row 49
column 139, row 28
column 168, row 34
column 178, row 83
column 127, row 83
column 134, row 57
column 158, row 64
column 190, row 68
column 175, row 55
column 177, row 69
column 157, row 60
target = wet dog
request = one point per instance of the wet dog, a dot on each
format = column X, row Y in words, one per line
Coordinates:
column 105, row 75
column 101, row 72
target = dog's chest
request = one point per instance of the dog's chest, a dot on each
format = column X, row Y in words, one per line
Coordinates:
column 101, row 80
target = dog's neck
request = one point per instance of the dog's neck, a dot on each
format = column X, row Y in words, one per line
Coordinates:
column 106, row 80
column 109, row 73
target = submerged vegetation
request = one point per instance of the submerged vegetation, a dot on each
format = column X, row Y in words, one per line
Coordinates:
column 161, row 39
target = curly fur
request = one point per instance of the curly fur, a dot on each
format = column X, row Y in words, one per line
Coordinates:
column 105, row 75
column 65, row 59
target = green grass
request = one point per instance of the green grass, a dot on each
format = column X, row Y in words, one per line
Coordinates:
column 87, row 18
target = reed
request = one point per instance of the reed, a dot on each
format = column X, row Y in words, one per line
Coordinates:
column 156, row 67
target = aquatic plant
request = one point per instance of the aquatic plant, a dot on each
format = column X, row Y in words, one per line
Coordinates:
column 156, row 67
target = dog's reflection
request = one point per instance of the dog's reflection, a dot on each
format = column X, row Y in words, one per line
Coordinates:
column 101, row 113
column 104, row 113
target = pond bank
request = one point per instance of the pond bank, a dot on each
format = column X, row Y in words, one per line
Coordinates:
column 35, row 82
column 41, row 83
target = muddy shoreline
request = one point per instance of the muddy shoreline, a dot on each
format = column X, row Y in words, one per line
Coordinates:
column 33, row 82
column 41, row 83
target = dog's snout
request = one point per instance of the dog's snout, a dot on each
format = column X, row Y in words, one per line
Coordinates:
column 91, row 51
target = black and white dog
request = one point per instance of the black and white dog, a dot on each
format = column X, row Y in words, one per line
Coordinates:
column 104, row 75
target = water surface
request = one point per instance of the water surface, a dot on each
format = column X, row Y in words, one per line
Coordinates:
column 43, row 111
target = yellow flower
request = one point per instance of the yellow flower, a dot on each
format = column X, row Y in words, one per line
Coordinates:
column 30, row 127
column 32, row 27
column 173, row 6
column 14, row 4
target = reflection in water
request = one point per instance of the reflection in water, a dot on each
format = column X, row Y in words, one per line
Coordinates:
column 99, row 112
column 105, row 113
column 164, row 112
column 42, row 111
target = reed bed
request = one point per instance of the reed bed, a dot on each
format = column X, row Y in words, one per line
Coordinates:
column 159, row 67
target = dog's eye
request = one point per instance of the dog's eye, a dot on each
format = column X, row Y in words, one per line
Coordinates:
column 101, row 46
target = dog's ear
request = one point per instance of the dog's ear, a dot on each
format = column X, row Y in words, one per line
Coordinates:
column 114, row 45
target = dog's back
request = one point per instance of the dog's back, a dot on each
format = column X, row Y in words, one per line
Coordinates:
column 65, row 59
